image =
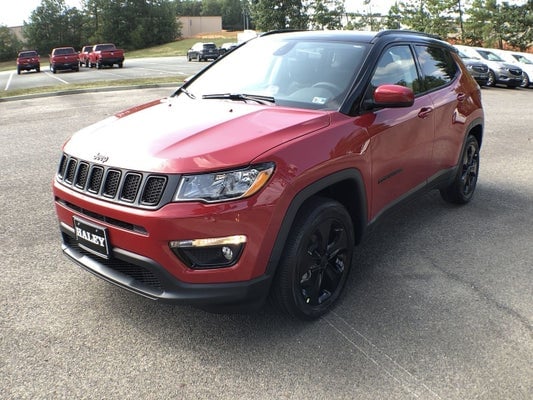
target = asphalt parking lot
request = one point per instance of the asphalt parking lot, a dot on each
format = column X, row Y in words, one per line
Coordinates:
column 439, row 305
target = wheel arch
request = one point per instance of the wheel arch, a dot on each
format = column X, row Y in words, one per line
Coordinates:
column 475, row 129
column 346, row 186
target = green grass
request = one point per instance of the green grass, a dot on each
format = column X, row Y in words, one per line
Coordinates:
column 146, row 82
column 177, row 48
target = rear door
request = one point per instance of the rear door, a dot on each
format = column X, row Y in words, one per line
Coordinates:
column 441, row 80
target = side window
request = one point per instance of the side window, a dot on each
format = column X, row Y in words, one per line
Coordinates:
column 396, row 66
column 438, row 66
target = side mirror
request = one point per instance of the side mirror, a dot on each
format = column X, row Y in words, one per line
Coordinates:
column 393, row 96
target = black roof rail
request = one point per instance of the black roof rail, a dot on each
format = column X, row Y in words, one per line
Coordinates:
column 273, row 32
column 406, row 32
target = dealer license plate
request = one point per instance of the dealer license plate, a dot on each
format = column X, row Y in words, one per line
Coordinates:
column 91, row 237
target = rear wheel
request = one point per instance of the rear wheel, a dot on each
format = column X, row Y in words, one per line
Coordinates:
column 316, row 260
column 461, row 190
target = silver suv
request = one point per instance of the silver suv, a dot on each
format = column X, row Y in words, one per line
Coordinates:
column 500, row 72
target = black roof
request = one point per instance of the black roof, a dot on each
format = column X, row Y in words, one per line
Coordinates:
column 358, row 36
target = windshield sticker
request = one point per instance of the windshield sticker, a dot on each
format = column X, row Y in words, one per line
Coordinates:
column 319, row 100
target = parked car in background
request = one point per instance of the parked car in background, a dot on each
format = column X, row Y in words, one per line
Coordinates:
column 28, row 60
column 202, row 52
column 478, row 69
column 106, row 55
column 521, row 61
column 62, row 58
column 226, row 47
column 500, row 72
column 260, row 175
column 84, row 56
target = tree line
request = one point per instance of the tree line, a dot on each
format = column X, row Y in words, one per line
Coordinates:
column 136, row 24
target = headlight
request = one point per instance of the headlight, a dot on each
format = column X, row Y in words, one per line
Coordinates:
column 225, row 185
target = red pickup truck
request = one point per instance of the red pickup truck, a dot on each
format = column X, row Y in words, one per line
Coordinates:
column 106, row 54
column 28, row 60
column 64, row 58
column 84, row 55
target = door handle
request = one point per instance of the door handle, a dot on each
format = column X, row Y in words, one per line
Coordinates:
column 461, row 96
column 424, row 112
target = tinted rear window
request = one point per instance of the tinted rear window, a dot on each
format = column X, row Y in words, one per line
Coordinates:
column 28, row 54
column 66, row 50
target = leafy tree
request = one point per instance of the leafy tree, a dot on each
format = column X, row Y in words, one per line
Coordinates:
column 276, row 14
column 326, row 14
column 211, row 7
column 9, row 44
column 482, row 26
column 190, row 8
column 517, row 27
column 393, row 18
column 132, row 24
column 52, row 24
column 430, row 16
column 233, row 14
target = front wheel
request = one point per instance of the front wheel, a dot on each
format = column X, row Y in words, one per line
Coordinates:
column 525, row 81
column 492, row 79
column 316, row 260
column 461, row 190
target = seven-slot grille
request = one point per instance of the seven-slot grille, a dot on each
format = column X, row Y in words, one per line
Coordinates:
column 119, row 185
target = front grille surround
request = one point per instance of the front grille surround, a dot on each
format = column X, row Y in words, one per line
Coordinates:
column 129, row 187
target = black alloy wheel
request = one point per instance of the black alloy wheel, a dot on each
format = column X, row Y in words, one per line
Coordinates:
column 461, row 190
column 316, row 260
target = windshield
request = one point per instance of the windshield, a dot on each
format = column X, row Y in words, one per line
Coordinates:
column 487, row 55
column 314, row 74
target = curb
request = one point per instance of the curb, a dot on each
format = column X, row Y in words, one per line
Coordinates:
column 80, row 91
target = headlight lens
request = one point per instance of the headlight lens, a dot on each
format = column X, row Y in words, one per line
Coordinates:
column 225, row 185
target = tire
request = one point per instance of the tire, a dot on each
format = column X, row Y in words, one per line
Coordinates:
column 525, row 81
column 98, row 65
column 316, row 260
column 38, row 69
column 492, row 79
column 120, row 65
column 18, row 71
column 87, row 64
column 461, row 190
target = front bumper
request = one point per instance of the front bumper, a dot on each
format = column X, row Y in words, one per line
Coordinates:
column 146, row 277
column 141, row 259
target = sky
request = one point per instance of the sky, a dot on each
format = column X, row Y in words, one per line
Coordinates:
column 15, row 12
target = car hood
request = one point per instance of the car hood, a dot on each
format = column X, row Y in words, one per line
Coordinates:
column 183, row 135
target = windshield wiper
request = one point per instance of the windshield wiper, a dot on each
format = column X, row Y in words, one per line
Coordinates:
column 181, row 89
column 240, row 96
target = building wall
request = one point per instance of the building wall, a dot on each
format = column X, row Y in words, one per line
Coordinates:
column 191, row 26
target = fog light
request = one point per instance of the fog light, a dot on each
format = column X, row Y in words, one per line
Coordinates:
column 227, row 252
column 210, row 252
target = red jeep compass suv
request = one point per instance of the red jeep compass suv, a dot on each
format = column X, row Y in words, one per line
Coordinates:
column 258, row 177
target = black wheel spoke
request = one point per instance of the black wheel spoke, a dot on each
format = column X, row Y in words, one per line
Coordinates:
column 323, row 265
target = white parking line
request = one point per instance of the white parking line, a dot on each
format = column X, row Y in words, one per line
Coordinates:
column 166, row 71
column 9, row 80
column 55, row 77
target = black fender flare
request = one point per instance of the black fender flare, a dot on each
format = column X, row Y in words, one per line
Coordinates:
column 357, row 207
